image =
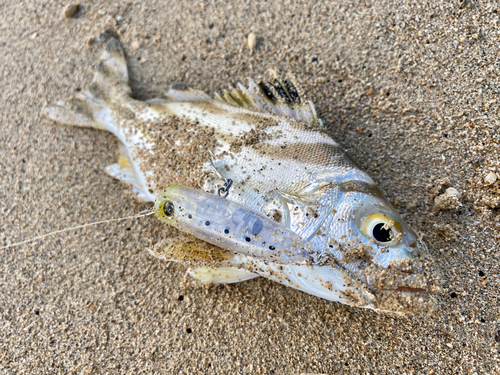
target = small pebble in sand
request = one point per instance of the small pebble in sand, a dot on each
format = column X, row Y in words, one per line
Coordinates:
column 448, row 200
column 490, row 178
column 135, row 45
column 452, row 192
column 70, row 10
column 252, row 41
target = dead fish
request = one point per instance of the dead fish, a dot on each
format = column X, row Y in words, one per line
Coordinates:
column 294, row 207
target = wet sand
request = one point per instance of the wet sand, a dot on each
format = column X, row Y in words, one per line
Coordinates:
column 409, row 89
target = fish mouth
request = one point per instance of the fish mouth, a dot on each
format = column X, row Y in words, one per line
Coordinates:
column 404, row 291
column 409, row 286
column 404, row 287
column 394, row 292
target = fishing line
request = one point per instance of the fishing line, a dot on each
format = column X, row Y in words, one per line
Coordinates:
column 144, row 213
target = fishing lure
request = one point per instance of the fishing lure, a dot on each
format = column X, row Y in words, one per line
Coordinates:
column 257, row 188
column 229, row 225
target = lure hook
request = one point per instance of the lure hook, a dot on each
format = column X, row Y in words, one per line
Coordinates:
column 224, row 189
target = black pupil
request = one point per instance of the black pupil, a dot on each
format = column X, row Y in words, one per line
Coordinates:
column 168, row 208
column 381, row 234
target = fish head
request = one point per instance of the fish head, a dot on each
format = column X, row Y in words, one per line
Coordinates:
column 385, row 260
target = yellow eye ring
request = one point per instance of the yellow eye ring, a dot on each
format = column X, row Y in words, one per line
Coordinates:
column 164, row 208
column 381, row 228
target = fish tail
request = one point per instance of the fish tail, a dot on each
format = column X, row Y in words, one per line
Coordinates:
column 92, row 107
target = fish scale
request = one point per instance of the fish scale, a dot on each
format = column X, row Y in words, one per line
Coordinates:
column 299, row 211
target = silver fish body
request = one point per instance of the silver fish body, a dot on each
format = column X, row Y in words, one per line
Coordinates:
column 349, row 244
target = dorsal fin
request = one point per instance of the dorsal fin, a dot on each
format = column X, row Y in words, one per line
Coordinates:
column 279, row 96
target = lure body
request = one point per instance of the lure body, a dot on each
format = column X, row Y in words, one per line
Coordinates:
column 229, row 225
column 294, row 189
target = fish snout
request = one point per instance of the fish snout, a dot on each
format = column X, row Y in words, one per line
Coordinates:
column 409, row 285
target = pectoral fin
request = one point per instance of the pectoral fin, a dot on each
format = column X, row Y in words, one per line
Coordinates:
column 212, row 263
column 190, row 250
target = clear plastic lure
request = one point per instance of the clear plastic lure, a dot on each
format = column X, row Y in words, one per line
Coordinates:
column 229, row 225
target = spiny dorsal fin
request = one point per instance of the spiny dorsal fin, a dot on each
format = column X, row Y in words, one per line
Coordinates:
column 279, row 96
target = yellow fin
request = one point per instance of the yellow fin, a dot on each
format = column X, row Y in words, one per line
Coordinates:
column 124, row 171
column 190, row 250
column 124, row 161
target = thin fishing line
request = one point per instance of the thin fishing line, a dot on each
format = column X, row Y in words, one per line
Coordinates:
column 144, row 213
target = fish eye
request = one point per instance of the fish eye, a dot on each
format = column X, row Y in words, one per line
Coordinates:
column 168, row 208
column 382, row 229
column 382, row 234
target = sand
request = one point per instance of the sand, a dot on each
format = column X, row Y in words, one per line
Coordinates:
column 410, row 89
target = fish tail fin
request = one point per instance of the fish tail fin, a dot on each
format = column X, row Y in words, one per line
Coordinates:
column 91, row 108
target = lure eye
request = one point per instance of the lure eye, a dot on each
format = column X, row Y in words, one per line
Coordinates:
column 168, row 208
column 382, row 229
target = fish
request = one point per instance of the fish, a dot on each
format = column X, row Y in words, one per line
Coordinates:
column 256, row 187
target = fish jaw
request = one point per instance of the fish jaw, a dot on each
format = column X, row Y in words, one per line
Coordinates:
column 327, row 282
